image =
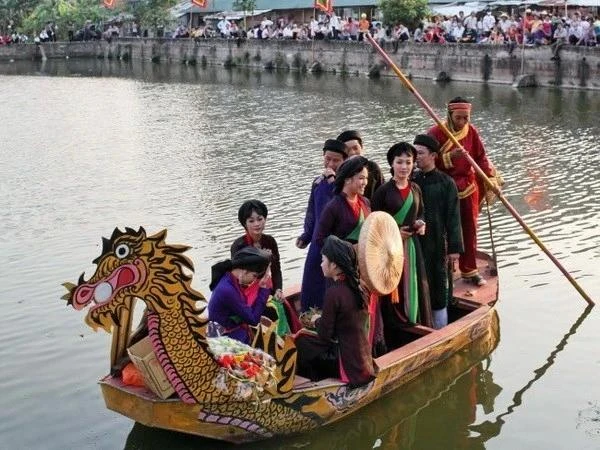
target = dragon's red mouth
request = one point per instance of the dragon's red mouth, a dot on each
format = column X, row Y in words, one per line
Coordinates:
column 103, row 291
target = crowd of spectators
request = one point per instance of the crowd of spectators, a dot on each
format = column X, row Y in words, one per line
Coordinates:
column 329, row 27
column 529, row 28
column 12, row 36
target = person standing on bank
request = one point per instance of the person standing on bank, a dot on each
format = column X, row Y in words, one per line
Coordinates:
column 452, row 161
column 313, row 283
column 443, row 236
column 352, row 139
column 403, row 200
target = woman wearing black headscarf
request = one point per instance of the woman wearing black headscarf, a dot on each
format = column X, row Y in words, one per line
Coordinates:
column 340, row 348
column 230, row 305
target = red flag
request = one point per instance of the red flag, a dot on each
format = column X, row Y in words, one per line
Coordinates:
column 324, row 5
column 199, row 3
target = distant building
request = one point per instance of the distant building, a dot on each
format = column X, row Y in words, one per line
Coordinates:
column 300, row 11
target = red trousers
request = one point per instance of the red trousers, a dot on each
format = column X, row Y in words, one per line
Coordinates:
column 469, row 211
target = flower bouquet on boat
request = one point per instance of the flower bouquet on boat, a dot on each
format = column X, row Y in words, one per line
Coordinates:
column 250, row 370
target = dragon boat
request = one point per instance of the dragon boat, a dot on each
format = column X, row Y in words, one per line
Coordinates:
column 135, row 266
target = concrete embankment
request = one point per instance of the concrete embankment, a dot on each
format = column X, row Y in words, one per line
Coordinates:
column 576, row 67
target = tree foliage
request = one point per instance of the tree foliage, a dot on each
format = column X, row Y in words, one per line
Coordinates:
column 407, row 12
column 63, row 13
column 151, row 13
column 30, row 16
column 12, row 12
column 244, row 5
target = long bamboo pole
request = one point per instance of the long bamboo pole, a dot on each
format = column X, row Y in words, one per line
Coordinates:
column 475, row 166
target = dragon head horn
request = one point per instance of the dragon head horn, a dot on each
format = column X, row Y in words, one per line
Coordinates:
column 160, row 236
column 70, row 287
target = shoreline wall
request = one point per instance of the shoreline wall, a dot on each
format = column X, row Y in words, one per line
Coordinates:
column 577, row 67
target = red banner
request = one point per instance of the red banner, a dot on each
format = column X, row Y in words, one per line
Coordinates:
column 200, row 3
column 324, row 5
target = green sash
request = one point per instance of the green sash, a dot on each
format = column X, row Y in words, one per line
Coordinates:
column 409, row 281
column 403, row 212
column 354, row 234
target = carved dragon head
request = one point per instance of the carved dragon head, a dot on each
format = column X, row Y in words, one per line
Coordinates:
column 133, row 265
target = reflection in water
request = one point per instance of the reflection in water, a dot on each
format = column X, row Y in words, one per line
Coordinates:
column 537, row 195
column 474, row 387
column 456, row 383
column 489, row 429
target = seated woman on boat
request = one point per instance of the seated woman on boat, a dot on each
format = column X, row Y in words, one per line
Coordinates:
column 231, row 304
column 340, row 346
column 403, row 200
column 253, row 217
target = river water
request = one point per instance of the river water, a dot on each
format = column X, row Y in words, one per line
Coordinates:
column 86, row 146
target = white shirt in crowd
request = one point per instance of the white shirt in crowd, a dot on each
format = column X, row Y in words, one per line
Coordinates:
column 334, row 21
column 314, row 25
column 488, row 22
column 505, row 25
column 223, row 25
column 458, row 31
column 266, row 23
column 471, row 23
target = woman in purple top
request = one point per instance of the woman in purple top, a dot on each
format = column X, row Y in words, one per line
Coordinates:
column 313, row 283
column 230, row 305
column 253, row 217
column 345, row 213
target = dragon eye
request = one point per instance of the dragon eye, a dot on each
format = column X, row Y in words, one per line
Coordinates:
column 122, row 251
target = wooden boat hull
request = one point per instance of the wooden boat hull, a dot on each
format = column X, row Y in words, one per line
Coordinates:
column 334, row 401
column 393, row 413
column 314, row 404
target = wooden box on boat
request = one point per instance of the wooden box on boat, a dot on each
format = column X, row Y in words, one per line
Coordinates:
column 143, row 357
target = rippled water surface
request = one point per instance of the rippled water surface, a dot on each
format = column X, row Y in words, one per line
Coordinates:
column 87, row 146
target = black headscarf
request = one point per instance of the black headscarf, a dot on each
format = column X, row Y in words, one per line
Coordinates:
column 248, row 207
column 342, row 253
column 251, row 259
column 348, row 169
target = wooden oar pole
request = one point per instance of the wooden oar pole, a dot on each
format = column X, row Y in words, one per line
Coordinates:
column 475, row 166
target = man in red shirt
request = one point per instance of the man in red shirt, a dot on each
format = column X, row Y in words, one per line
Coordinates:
column 452, row 161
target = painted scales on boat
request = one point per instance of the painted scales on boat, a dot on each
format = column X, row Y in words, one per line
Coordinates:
column 134, row 265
